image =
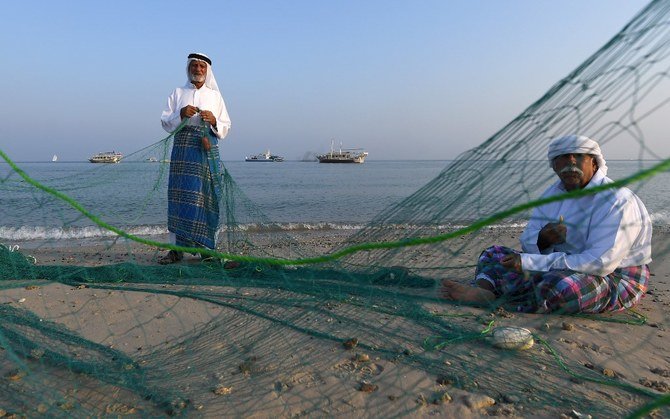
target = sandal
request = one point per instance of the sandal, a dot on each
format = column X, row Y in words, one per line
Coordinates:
column 172, row 257
column 231, row 264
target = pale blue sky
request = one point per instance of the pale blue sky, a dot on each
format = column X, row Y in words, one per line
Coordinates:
column 414, row 79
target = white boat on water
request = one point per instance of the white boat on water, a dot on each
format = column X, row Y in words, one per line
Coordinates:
column 267, row 156
column 351, row 155
column 106, row 157
column 54, row 158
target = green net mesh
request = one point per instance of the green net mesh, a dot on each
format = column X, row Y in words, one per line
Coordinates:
column 329, row 325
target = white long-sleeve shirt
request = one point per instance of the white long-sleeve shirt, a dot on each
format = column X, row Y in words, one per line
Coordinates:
column 203, row 98
column 605, row 231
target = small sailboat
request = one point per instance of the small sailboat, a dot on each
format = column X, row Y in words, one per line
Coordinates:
column 54, row 158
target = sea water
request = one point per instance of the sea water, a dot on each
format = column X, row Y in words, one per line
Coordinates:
column 292, row 195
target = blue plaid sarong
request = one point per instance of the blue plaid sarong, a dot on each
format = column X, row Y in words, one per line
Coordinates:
column 562, row 291
column 193, row 189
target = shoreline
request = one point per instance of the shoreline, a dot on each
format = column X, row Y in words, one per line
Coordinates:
column 299, row 231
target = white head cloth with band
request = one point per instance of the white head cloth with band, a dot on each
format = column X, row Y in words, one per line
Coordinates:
column 210, row 80
column 577, row 144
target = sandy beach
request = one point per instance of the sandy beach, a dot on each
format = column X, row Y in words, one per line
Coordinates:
column 245, row 347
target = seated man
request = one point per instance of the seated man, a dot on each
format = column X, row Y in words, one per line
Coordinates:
column 580, row 255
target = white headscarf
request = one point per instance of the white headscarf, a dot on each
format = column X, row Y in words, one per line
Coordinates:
column 210, row 81
column 577, row 144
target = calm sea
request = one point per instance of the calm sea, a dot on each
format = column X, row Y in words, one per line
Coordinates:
column 295, row 195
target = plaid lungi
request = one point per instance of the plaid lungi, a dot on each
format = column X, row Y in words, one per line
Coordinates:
column 193, row 189
column 562, row 291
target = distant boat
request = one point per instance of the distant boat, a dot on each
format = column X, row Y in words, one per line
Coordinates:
column 152, row 160
column 106, row 157
column 267, row 156
column 352, row 155
column 54, row 158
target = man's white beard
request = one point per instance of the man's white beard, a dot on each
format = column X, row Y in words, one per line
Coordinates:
column 197, row 78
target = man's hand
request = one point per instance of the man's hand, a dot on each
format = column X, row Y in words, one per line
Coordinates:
column 188, row 111
column 512, row 262
column 208, row 117
column 551, row 234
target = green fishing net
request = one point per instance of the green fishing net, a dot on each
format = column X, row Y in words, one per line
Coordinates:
column 304, row 327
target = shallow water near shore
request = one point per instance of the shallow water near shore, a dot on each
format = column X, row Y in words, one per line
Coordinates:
column 293, row 196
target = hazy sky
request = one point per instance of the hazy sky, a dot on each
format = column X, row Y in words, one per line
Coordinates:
column 414, row 79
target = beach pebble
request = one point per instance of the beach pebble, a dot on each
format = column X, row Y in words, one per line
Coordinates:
column 362, row 358
column 517, row 338
column 367, row 387
column 36, row 353
column 441, row 398
column 478, row 401
column 501, row 312
column 568, row 326
column 221, row 390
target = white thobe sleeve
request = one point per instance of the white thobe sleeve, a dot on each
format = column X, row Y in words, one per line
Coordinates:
column 222, row 119
column 171, row 118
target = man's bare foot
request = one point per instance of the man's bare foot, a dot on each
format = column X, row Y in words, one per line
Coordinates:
column 455, row 291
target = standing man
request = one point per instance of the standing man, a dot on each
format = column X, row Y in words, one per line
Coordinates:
column 580, row 255
column 193, row 185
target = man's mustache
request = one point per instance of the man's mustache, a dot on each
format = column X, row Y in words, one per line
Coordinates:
column 574, row 169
